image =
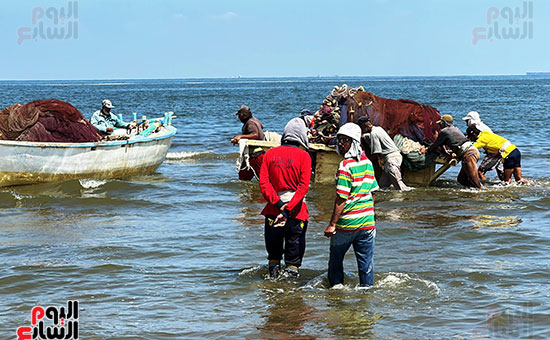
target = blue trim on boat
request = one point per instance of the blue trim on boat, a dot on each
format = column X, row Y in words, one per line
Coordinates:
column 133, row 140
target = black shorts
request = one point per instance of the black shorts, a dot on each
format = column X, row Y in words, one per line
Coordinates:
column 513, row 160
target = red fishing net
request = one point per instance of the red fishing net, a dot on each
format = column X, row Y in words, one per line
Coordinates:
column 406, row 117
column 48, row 120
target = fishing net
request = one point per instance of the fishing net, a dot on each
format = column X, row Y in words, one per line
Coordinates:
column 405, row 117
column 48, row 120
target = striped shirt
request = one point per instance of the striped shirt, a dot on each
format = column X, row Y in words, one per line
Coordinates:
column 355, row 183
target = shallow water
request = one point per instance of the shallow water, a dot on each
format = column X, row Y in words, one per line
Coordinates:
column 179, row 254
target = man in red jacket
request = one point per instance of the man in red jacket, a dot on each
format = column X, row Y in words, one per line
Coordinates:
column 284, row 182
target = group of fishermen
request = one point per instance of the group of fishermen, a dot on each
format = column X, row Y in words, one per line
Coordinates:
column 501, row 155
column 284, row 176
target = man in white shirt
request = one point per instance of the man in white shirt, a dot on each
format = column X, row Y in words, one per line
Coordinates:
column 380, row 144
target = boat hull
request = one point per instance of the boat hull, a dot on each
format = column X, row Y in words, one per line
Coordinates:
column 327, row 161
column 31, row 162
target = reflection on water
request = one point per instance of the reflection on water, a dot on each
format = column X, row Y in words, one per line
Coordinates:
column 488, row 221
column 351, row 316
column 287, row 317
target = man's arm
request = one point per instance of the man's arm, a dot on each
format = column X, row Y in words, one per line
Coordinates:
column 339, row 204
column 303, row 186
column 481, row 141
column 438, row 142
column 236, row 139
column 266, row 187
column 343, row 189
column 120, row 123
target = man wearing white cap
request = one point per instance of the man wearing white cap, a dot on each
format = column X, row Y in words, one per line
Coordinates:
column 105, row 121
column 352, row 221
column 472, row 118
column 491, row 160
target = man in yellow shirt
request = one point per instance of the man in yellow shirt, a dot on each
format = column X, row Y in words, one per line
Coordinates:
column 492, row 143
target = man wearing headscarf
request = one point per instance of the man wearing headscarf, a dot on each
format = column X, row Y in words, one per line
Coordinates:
column 473, row 118
column 284, row 182
column 352, row 221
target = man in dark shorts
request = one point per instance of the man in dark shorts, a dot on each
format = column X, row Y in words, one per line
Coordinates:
column 491, row 160
column 511, row 157
column 252, row 129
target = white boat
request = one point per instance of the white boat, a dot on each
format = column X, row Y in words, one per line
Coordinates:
column 36, row 162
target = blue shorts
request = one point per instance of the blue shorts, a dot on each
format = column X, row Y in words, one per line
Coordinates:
column 513, row 160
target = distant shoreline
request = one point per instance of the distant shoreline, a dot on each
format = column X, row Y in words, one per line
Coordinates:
column 248, row 78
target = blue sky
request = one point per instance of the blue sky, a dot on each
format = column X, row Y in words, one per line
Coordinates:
column 121, row 39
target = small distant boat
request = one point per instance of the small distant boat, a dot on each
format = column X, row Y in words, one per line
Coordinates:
column 37, row 162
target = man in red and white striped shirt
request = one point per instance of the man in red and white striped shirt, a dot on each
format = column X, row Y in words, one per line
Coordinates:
column 352, row 221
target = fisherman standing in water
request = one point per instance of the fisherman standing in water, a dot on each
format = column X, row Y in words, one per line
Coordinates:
column 284, row 182
column 381, row 145
column 451, row 137
column 252, row 129
column 493, row 143
column 352, row 221
column 491, row 160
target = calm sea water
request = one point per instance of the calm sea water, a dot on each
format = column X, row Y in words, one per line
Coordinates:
column 180, row 255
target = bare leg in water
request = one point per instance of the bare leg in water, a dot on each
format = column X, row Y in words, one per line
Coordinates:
column 517, row 176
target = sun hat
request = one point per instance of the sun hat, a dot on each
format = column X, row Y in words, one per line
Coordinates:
column 107, row 103
column 446, row 118
column 351, row 130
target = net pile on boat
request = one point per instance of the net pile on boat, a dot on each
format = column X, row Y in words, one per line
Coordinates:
column 49, row 120
column 412, row 125
column 405, row 117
